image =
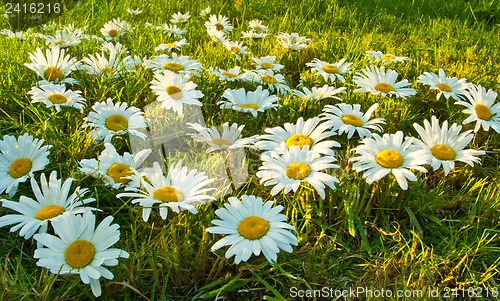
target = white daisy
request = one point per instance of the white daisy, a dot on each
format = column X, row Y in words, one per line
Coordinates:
column 445, row 145
column 231, row 75
column 81, row 248
column 173, row 91
column 205, row 11
column 108, row 119
column 169, row 47
column 179, row 17
column 330, row 72
column 220, row 23
column 252, row 34
column 18, row 34
column 347, row 118
column 52, row 200
column 447, row 86
column 218, row 36
column 54, row 67
column 56, row 95
column 236, row 48
column 179, row 190
column 171, row 30
column 64, row 38
column 178, row 64
column 293, row 41
column 114, row 29
column 134, row 12
column 110, row 64
column 267, row 62
column 257, row 30
column 19, row 159
column 379, row 56
column 133, row 64
column 378, row 81
column 230, row 138
column 482, row 108
column 252, row 227
column 274, row 81
column 379, row 156
column 291, row 166
column 316, row 94
column 251, row 101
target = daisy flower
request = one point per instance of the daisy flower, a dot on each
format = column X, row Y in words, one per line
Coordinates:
column 171, row 30
column 447, row 86
column 310, row 133
column 52, row 200
column 80, row 248
column 108, row 119
column 230, row 75
column 274, row 81
column 179, row 190
column 293, row 41
column 54, row 67
column 218, row 36
column 257, row 26
column 19, row 159
column 220, row 23
column 330, row 72
column 133, row 64
column 252, row 34
column 179, row 17
column 64, row 38
column 236, row 48
column 347, row 118
column 379, row 56
column 205, row 11
column 56, row 95
column 316, row 94
column 114, row 29
column 291, row 166
column 174, row 90
column 21, row 35
column 258, row 30
column 230, row 138
column 252, row 227
column 169, row 47
column 106, row 64
column 379, row 156
column 444, row 146
column 179, row 64
column 267, row 62
column 116, row 170
column 251, row 101
column 482, row 108
column 378, row 81
column 134, row 12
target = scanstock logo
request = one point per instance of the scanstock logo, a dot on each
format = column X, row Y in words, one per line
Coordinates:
column 24, row 14
column 168, row 138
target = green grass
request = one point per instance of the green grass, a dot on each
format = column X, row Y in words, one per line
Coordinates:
column 443, row 232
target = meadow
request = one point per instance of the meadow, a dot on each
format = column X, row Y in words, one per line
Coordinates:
column 443, row 232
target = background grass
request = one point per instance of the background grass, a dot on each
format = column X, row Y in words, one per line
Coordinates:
column 443, row 232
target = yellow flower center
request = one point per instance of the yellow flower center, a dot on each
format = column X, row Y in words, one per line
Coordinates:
column 483, row 112
column 20, row 168
column 53, row 73
column 117, row 123
column 219, row 26
column 267, row 65
column 299, row 140
column 221, row 142
column 170, row 45
column 235, row 50
column 318, row 96
column 330, row 68
column 229, row 74
column 112, row 33
column 57, row 98
column 119, row 171
column 253, row 227
column 388, row 57
column 181, row 19
column 269, row 79
column 175, row 67
column 352, row 120
column 174, row 92
column 79, row 254
column 383, row 87
column 298, row 171
column 257, row 28
column 108, row 70
column 249, row 106
column 60, row 42
column 444, row 87
column 443, row 152
column 168, row 194
column 389, row 158
column 49, row 212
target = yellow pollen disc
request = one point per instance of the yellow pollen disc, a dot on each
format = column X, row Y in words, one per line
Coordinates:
column 389, row 158
column 267, row 66
column 181, row 20
column 352, row 120
column 173, row 67
column 388, row 57
column 299, row 140
column 117, row 123
column 57, row 98
column 318, row 96
column 383, row 87
column 235, row 50
column 53, row 73
column 108, row 70
column 221, row 142
column 170, row 45
column 443, row 87
column 174, row 92
column 49, row 212
column 249, row 106
column 257, row 28
column 270, row 80
column 483, row 112
column 330, row 68
column 20, row 167
column 443, row 152
column 79, row 254
column 229, row 74
column 113, row 33
column 60, row 42
column 298, row 171
column 253, row 227
column 219, row 26
column 119, row 171
column 168, row 194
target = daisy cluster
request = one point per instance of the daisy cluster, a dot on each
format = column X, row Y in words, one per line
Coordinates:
column 299, row 153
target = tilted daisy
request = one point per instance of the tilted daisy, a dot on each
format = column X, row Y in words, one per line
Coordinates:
column 252, row 227
column 445, row 145
column 378, row 81
column 236, row 48
column 316, row 94
column 251, row 101
column 230, row 138
column 274, row 81
column 134, row 12
column 257, row 30
column 110, row 119
column 230, row 75
column 257, row 25
column 219, row 22
column 19, row 158
column 267, row 62
column 347, row 118
column 330, row 72
column 175, row 63
column 172, row 30
column 252, row 34
column 18, row 34
column 447, row 86
column 181, row 189
column 53, row 198
column 133, row 64
column 379, row 156
column 109, row 62
column 205, row 11
column 179, row 17
column 482, row 108
column 287, row 169
column 379, row 56
column 57, row 96
column 169, row 47
column 310, row 133
column 114, row 29
column 218, row 36
column 81, row 248
column 174, row 90
column 54, row 66
column 293, row 41
column 64, row 38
